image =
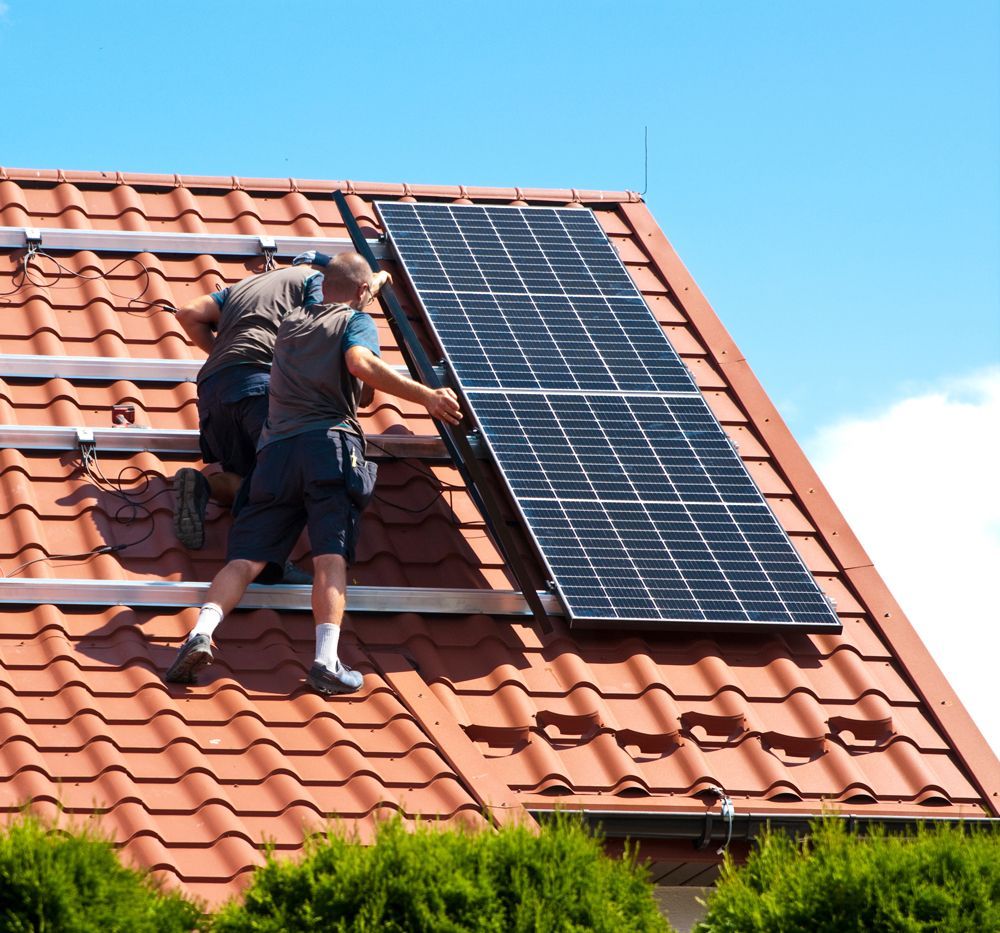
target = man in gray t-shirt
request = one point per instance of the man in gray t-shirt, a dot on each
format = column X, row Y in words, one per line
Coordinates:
column 236, row 326
column 311, row 471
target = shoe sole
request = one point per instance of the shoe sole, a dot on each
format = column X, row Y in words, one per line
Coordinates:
column 332, row 689
column 184, row 669
column 189, row 524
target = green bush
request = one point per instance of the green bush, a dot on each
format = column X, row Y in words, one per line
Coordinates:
column 427, row 879
column 52, row 881
column 941, row 879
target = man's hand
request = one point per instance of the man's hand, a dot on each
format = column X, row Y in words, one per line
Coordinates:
column 443, row 405
column 379, row 281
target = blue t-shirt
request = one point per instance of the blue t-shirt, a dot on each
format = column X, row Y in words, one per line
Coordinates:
column 361, row 332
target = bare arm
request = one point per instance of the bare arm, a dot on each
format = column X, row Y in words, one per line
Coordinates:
column 197, row 319
column 366, row 366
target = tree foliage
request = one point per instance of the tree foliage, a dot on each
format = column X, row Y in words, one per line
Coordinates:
column 430, row 880
column 51, row 881
column 941, row 879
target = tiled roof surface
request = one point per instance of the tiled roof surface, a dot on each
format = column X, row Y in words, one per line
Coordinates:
column 455, row 710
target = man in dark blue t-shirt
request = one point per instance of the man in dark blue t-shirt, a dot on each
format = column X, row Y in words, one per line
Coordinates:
column 311, row 470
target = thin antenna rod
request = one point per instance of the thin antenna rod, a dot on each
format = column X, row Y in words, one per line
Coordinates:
column 645, row 146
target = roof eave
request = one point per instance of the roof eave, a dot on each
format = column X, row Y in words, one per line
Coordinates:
column 705, row 829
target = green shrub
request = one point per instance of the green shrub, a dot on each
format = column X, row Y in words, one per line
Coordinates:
column 434, row 880
column 52, row 881
column 941, row 879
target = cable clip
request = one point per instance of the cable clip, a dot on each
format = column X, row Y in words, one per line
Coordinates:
column 728, row 812
column 268, row 248
column 32, row 240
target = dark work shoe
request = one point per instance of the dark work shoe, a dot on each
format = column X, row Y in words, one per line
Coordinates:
column 296, row 575
column 193, row 655
column 340, row 680
column 191, row 491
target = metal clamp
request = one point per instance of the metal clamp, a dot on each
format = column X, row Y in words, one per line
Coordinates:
column 85, row 441
column 728, row 812
column 32, row 240
column 268, row 248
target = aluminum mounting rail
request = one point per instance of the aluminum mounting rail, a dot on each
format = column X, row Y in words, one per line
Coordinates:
column 67, row 239
column 180, row 441
column 104, row 368
column 167, row 593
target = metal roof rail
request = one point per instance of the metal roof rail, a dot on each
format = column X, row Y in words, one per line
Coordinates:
column 179, row 594
column 69, row 239
column 183, row 441
column 104, row 368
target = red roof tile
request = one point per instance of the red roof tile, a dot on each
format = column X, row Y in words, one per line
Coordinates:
column 457, row 712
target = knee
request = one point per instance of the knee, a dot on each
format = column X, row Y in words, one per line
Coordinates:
column 330, row 567
column 246, row 570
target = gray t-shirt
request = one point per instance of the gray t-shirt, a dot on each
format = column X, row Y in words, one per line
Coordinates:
column 250, row 313
column 311, row 387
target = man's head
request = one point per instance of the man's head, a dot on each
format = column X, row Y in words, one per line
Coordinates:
column 347, row 279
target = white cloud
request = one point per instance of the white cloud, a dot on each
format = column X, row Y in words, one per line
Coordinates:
column 920, row 486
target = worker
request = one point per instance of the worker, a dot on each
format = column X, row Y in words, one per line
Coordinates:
column 236, row 327
column 311, row 469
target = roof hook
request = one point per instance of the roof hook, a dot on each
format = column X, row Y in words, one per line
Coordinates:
column 268, row 247
column 728, row 812
column 32, row 241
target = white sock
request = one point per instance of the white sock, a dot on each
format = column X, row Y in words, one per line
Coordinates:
column 327, row 639
column 208, row 620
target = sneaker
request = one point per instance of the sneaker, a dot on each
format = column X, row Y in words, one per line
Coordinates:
column 193, row 655
column 339, row 680
column 296, row 575
column 191, row 492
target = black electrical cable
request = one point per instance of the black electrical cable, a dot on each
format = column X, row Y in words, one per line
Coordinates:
column 22, row 275
column 84, row 558
column 25, row 278
column 422, row 471
column 134, row 502
column 102, row 482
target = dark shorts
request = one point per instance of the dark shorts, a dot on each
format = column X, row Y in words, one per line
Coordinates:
column 230, row 431
column 318, row 480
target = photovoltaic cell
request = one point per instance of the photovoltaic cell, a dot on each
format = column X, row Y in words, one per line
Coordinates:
column 640, row 507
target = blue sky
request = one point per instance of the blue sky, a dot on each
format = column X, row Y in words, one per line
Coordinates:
column 828, row 172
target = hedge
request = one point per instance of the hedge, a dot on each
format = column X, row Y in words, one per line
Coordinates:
column 430, row 880
column 940, row 879
column 51, row 881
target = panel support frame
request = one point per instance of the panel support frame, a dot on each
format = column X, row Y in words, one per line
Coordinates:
column 285, row 597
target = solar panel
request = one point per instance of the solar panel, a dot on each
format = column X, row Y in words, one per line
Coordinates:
column 640, row 507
